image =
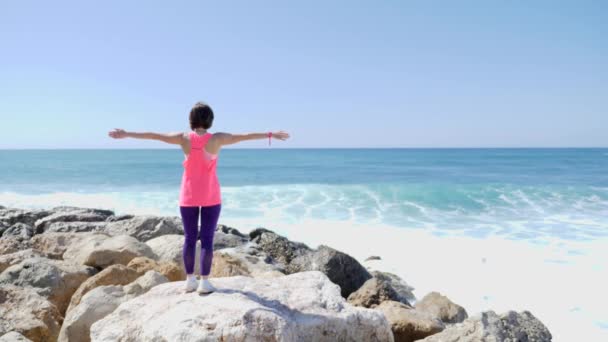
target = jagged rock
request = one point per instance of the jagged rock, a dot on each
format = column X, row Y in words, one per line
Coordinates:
column 10, row 216
column 24, row 311
column 169, row 269
column 442, row 308
column 144, row 228
column 408, row 324
column 403, row 289
column 72, row 214
column 7, row 260
column 341, row 268
column 55, row 280
column 12, row 244
column 112, row 275
column 229, row 230
column 299, row 307
column 228, row 237
column 100, row 250
column 488, row 326
column 14, row 336
column 53, row 245
column 281, row 249
column 373, row 292
column 101, row 301
column 74, row 227
column 372, row 257
column 19, row 229
column 115, row 218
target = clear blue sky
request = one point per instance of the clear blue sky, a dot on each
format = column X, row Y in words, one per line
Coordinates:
column 332, row 73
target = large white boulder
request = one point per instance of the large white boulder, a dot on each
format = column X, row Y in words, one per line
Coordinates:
column 304, row 306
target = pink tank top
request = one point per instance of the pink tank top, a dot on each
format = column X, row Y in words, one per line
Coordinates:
column 200, row 186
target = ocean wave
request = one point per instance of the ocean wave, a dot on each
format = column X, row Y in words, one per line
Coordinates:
column 476, row 210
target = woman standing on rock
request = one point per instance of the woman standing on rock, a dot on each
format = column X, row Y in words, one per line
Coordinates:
column 200, row 188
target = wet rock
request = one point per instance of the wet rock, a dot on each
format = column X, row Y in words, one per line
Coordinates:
column 281, row 249
column 341, row 268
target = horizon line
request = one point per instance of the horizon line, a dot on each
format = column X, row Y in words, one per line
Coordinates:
column 313, row 148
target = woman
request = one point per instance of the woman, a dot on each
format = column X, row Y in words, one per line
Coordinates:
column 200, row 188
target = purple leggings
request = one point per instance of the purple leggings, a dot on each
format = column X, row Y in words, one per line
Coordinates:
column 209, row 217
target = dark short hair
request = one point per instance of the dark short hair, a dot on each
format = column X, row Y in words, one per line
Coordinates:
column 201, row 116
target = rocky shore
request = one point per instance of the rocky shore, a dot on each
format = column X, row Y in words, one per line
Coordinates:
column 82, row 274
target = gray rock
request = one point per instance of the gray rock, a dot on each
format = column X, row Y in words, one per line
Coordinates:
column 229, row 230
column 404, row 290
column 72, row 214
column 115, row 218
column 19, row 229
column 24, row 311
column 442, row 308
column 281, row 249
column 488, row 326
column 226, row 240
column 55, row 280
column 341, row 268
column 145, row 228
column 7, row 260
column 298, row 307
column 74, row 227
column 10, row 216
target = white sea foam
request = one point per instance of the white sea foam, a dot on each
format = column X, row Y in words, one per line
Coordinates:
column 560, row 282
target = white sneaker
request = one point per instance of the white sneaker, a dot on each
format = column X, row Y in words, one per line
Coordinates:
column 204, row 286
column 190, row 284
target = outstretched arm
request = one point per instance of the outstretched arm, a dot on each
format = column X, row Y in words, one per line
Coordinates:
column 228, row 139
column 169, row 138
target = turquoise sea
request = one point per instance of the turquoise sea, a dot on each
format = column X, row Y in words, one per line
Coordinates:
column 501, row 216
column 517, row 193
